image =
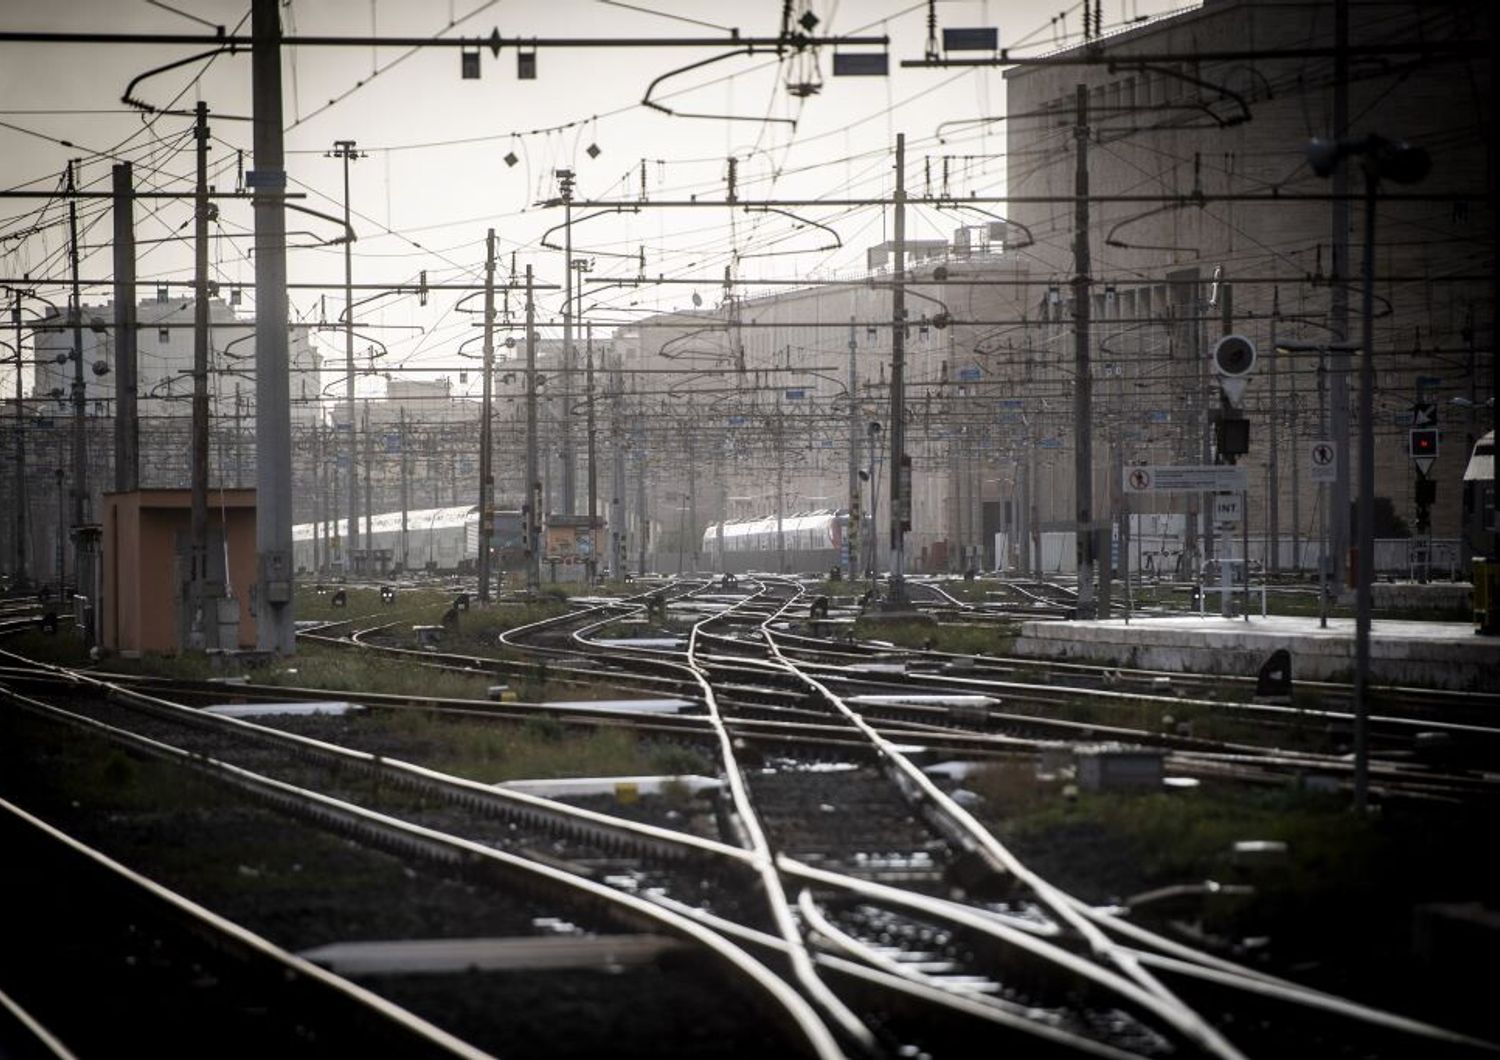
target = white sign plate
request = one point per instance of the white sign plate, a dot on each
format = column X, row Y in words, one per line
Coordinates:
column 1227, row 509
column 1204, row 478
column 1322, row 461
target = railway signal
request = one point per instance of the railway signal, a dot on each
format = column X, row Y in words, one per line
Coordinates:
column 1234, row 359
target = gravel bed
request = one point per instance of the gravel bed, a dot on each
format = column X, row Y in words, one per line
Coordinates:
column 302, row 888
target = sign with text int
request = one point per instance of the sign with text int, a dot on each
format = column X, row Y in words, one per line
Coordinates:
column 1322, row 461
column 1199, row 478
column 1227, row 509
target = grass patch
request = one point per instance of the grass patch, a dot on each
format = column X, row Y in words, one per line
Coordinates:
column 63, row 648
column 1337, row 912
column 539, row 748
column 341, row 669
column 961, row 638
column 1182, row 719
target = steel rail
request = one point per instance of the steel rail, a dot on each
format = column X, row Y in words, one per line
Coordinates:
column 252, row 947
column 1133, row 981
column 409, row 837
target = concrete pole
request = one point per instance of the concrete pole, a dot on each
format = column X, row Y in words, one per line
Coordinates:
column 899, row 466
column 617, row 482
column 319, row 479
column 569, row 485
column 851, row 541
column 80, row 493
column 1366, row 517
column 369, row 493
column 203, row 628
column 344, row 149
column 486, row 456
column 780, row 488
column 591, row 563
column 127, row 425
column 531, row 516
column 1083, row 448
column 239, row 441
column 1324, row 567
column 275, row 618
column 643, row 525
column 20, row 498
column 1338, row 310
column 405, row 495
column 1273, row 467
column 1294, row 433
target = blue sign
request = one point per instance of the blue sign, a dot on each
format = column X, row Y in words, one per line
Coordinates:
column 1012, row 418
column 1011, row 403
column 393, row 443
column 738, row 421
column 1051, row 443
column 1159, row 416
column 969, row 375
column 796, row 393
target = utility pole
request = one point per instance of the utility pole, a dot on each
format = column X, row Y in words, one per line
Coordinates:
column 900, row 463
column 320, row 479
column 127, row 426
column 780, row 487
column 369, row 494
column 486, row 472
column 344, row 149
column 1325, row 568
column 642, row 522
column 692, row 483
column 405, row 496
column 533, row 486
column 80, row 427
column 1273, row 466
column 20, row 501
column 851, row 537
column 1083, row 439
column 591, row 563
column 617, row 484
column 239, row 442
column 1338, row 309
column 569, row 486
column 202, row 629
column 1294, row 432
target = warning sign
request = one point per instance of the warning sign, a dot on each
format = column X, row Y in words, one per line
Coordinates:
column 1322, row 461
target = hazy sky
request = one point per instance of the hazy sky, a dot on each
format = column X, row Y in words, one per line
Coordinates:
column 435, row 175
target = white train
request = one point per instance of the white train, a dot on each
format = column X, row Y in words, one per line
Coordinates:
column 814, row 543
column 436, row 538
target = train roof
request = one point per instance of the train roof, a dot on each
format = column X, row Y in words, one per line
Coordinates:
column 385, row 522
column 1482, row 462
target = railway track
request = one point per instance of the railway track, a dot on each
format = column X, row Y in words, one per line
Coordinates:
column 868, row 935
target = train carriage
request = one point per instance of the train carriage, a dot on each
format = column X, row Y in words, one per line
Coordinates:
column 814, row 543
column 440, row 539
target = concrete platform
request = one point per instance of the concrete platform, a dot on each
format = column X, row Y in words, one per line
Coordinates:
column 451, row 956
column 1423, row 654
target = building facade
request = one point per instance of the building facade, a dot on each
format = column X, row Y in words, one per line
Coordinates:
column 1206, row 219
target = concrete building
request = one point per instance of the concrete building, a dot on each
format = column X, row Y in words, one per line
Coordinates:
column 747, row 407
column 164, row 406
column 164, row 360
column 1223, row 244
